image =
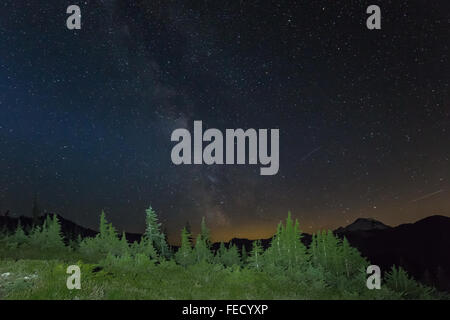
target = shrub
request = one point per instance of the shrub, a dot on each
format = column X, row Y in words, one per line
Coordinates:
column 399, row 281
column 106, row 241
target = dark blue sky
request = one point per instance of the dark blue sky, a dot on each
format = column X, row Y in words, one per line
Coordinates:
column 86, row 116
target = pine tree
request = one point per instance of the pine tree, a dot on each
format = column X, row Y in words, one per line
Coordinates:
column 184, row 255
column 227, row 257
column 201, row 251
column 152, row 231
column 19, row 237
column 104, row 228
column 144, row 248
column 47, row 236
column 52, row 229
column 286, row 249
column 335, row 255
column 106, row 241
column 231, row 257
column 124, row 248
column 255, row 259
column 244, row 255
column 154, row 235
column 189, row 230
column 350, row 259
column 222, row 250
column 164, row 246
column 205, row 233
column 324, row 249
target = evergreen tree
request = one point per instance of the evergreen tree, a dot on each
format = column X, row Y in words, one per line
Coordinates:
column 75, row 242
column 350, row 259
column 205, row 233
column 201, row 251
column 286, row 250
column 106, row 241
column 227, row 257
column 152, row 231
column 18, row 237
column 244, row 255
column 189, row 230
column 144, row 248
column 47, row 236
column 324, row 249
column 52, row 228
column 154, row 235
column 104, row 229
column 399, row 281
column 231, row 257
column 335, row 255
column 255, row 259
column 184, row 255
column 221, row 251
column 124, row 248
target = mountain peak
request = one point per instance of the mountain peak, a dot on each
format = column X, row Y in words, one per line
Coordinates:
column 364, row 224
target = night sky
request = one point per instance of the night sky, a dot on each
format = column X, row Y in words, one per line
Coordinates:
column 364, row 115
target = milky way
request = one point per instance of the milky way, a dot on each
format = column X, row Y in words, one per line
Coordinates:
column 86, row 115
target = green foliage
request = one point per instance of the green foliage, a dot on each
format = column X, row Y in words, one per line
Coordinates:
column 227, row 257
column 154, row 235
column 335, row 256
column 144, row 247
column 244, row 255
column 184, row 255
column 18, row 238
column 255, row 260
column 201, row 251
column 51, row 236
column 127, row 264
column 47, row 236
column 123, row 246
column 399, row 281
column 205, row 233
column 286, row 250
column 74, row 244
column 106, row 241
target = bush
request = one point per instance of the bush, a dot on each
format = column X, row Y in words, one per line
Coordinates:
column 399, row 281
column 106, row 241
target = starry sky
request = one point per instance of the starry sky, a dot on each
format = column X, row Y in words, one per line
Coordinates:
column 364, row 115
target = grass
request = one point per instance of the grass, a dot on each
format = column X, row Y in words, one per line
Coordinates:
column 44, row 277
